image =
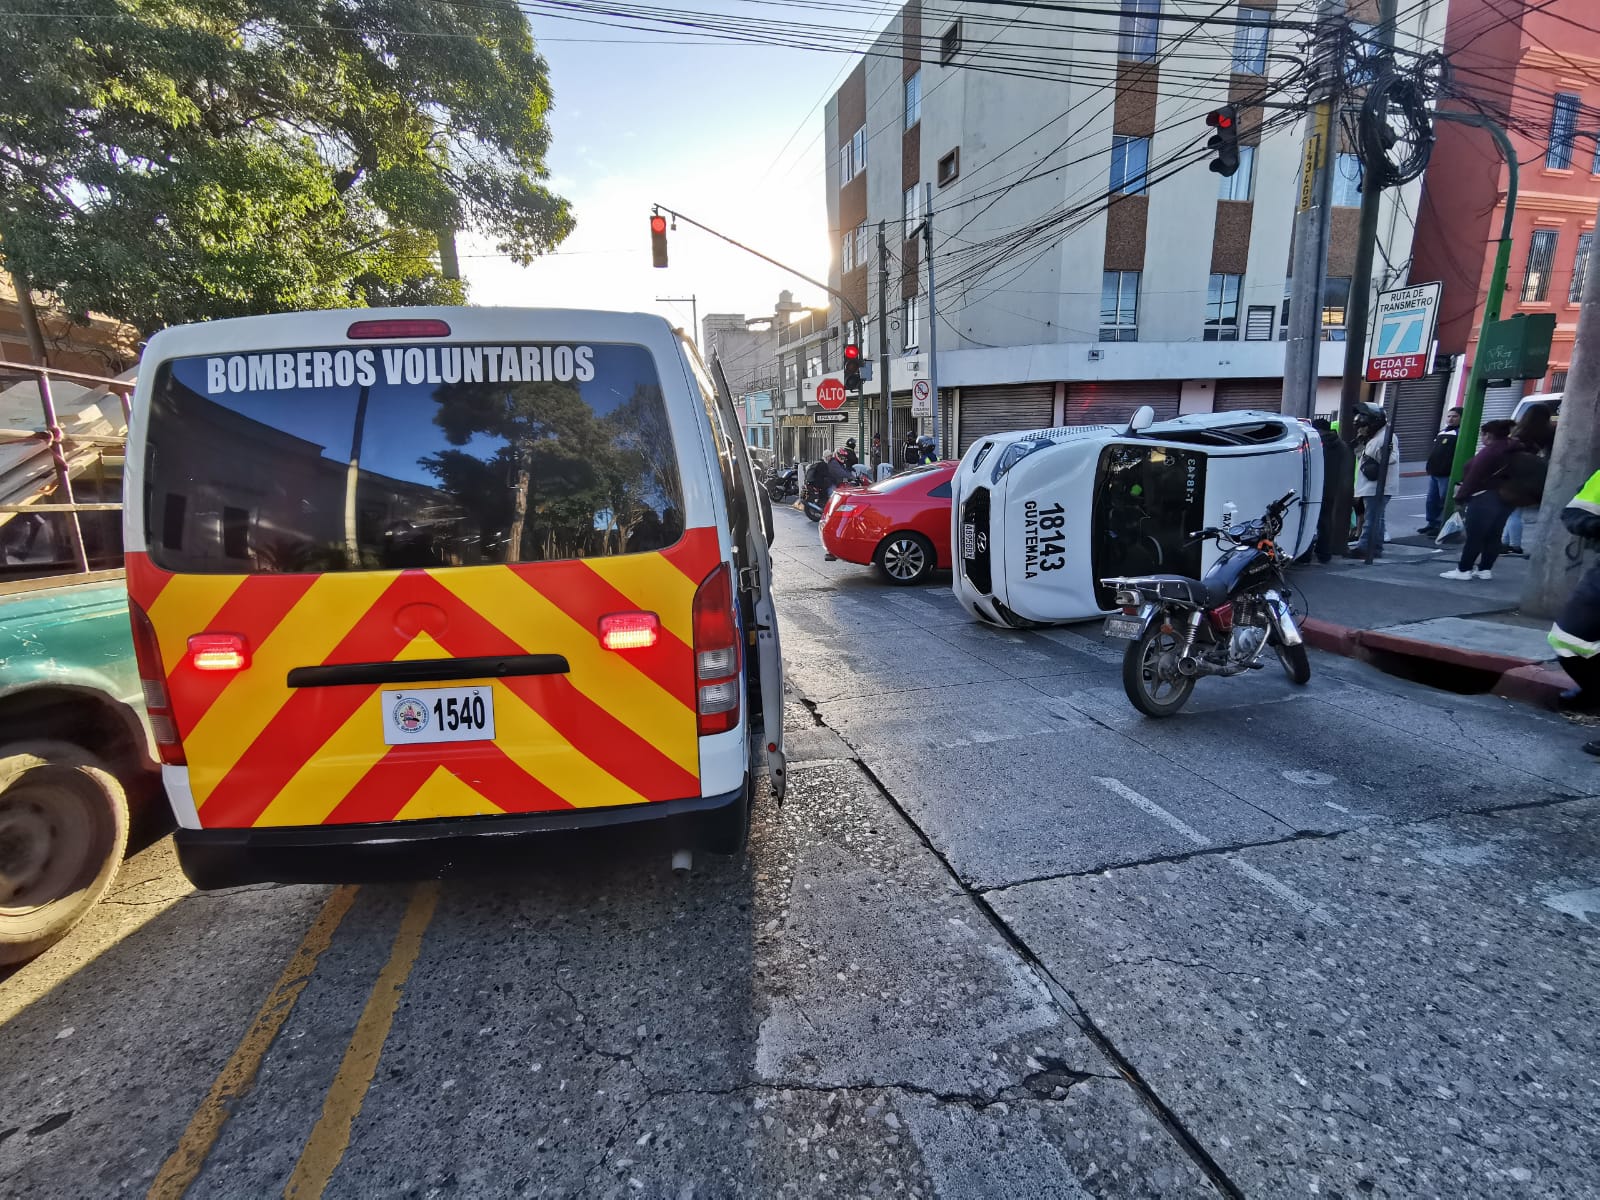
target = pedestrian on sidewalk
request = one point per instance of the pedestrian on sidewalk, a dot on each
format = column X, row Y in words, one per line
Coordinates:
column 1537, row 432
column 1373, row 485
column 1485, row 510
column 908, row 448
column 1441, row 458
column 1338, row 478
column 1575, row 636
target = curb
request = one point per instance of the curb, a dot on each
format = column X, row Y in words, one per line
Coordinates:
column 1507, row 676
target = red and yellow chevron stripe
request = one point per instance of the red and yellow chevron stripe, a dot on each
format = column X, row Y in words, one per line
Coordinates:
column 619, row 728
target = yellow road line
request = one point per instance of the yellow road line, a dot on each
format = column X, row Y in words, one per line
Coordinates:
column 330, row 1138
column 239, row 1074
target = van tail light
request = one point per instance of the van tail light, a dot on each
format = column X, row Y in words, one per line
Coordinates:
column 716, row 653
column 158, row 705
column 218, row 652
column 394, row 330
column 629, row 631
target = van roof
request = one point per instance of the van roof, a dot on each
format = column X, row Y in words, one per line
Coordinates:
column 490, row 324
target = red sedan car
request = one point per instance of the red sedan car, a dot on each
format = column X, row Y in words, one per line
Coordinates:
column 901, row 525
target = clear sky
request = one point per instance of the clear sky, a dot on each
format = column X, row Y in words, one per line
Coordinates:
column 699, row 127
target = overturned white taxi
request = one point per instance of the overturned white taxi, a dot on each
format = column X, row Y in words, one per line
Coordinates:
column 1040, row 518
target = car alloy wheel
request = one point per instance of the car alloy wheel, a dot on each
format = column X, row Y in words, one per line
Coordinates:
column 906, row 558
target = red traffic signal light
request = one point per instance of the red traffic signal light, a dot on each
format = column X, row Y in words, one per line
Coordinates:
column 1225, row 141
column 852, row 352
column 852, row 366
column 658, row 239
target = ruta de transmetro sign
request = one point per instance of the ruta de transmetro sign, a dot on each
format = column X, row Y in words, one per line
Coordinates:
column 1402, row 336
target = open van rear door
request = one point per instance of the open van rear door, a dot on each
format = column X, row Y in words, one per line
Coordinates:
column 759, row 532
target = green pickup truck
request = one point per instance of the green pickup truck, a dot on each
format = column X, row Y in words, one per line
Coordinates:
column 75, row 752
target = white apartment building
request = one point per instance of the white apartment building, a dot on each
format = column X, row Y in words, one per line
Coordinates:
column 1054, row 305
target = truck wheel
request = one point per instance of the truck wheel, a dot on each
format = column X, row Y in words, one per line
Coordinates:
column 63, row 830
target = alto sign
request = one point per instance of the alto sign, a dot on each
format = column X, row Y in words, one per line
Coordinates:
column 1402, row 335
column 830, row 393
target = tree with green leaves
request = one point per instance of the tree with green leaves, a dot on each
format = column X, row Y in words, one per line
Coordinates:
column 178, row 160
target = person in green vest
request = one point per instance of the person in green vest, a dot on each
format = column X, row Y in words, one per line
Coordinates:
column 1575, row 636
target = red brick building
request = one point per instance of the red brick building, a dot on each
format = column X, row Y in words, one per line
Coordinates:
column 1538, row 72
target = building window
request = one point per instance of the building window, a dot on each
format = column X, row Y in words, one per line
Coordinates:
column 1130, row 159
column 1250, row 41
column 950, row 44
column 910, row 318
column 847, row 252
column 1238, row 186
column 1119, row 307
column 1563, row 125
column 1222, row 308
column 813, row 365
column 1347, row 181
column 853, row 156
column 913, row 209
column 1558, row 381
column 1139, row 23
column 950, row 167
column 1541, row 253
column 1580, row 268
column 862, row 253
column 1335, row 300
column 913, row 99
column 1258, row 323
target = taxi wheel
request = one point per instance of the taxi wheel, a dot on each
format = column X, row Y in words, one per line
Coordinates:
column 905, row 558
column 63, row 831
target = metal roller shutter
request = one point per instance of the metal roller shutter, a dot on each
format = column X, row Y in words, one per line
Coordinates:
column 1236, row 395
column 1418, row 408
column 1499, row 401
column 984, row 411
column 1112, row 403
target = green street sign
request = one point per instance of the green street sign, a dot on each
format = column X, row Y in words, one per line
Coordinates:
column 1518, row 347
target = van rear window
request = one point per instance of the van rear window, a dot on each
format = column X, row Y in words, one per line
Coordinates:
column 383, row 457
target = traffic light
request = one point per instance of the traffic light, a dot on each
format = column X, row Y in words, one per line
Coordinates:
column 658, row 239
column 1225, row 141
column 852, row 367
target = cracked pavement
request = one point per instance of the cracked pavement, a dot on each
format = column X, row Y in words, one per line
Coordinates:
column 1005, row 937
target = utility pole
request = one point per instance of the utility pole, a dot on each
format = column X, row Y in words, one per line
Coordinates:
column 1360, row 302
column 1559, row 559
column 1313, row 227
column 694, row 311
column 885, row 393
column 933, row 323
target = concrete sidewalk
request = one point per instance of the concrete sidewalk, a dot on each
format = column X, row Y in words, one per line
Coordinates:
column 1464, row 635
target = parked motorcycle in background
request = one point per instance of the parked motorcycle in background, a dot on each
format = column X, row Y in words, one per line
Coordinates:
column 783, row 482
column 1179, row 629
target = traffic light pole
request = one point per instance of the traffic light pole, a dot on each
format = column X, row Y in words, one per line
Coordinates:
column 1472, row 402
column 855, row 313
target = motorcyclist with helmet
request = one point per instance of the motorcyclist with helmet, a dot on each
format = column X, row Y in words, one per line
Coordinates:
column 927, row 454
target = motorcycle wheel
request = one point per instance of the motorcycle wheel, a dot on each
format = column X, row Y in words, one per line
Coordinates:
column 813, row 512
column 775, row 489
column 1296, row 663
column 1141, row 675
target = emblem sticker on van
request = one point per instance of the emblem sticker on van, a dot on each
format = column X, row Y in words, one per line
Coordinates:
column 459, row 714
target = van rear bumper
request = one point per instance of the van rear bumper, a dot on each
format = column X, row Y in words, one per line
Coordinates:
column 218, row 858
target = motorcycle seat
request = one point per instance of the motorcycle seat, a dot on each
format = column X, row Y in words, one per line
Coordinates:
column 1191, row 591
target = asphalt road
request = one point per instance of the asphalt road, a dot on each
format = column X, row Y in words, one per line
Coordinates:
column 1004, row 938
